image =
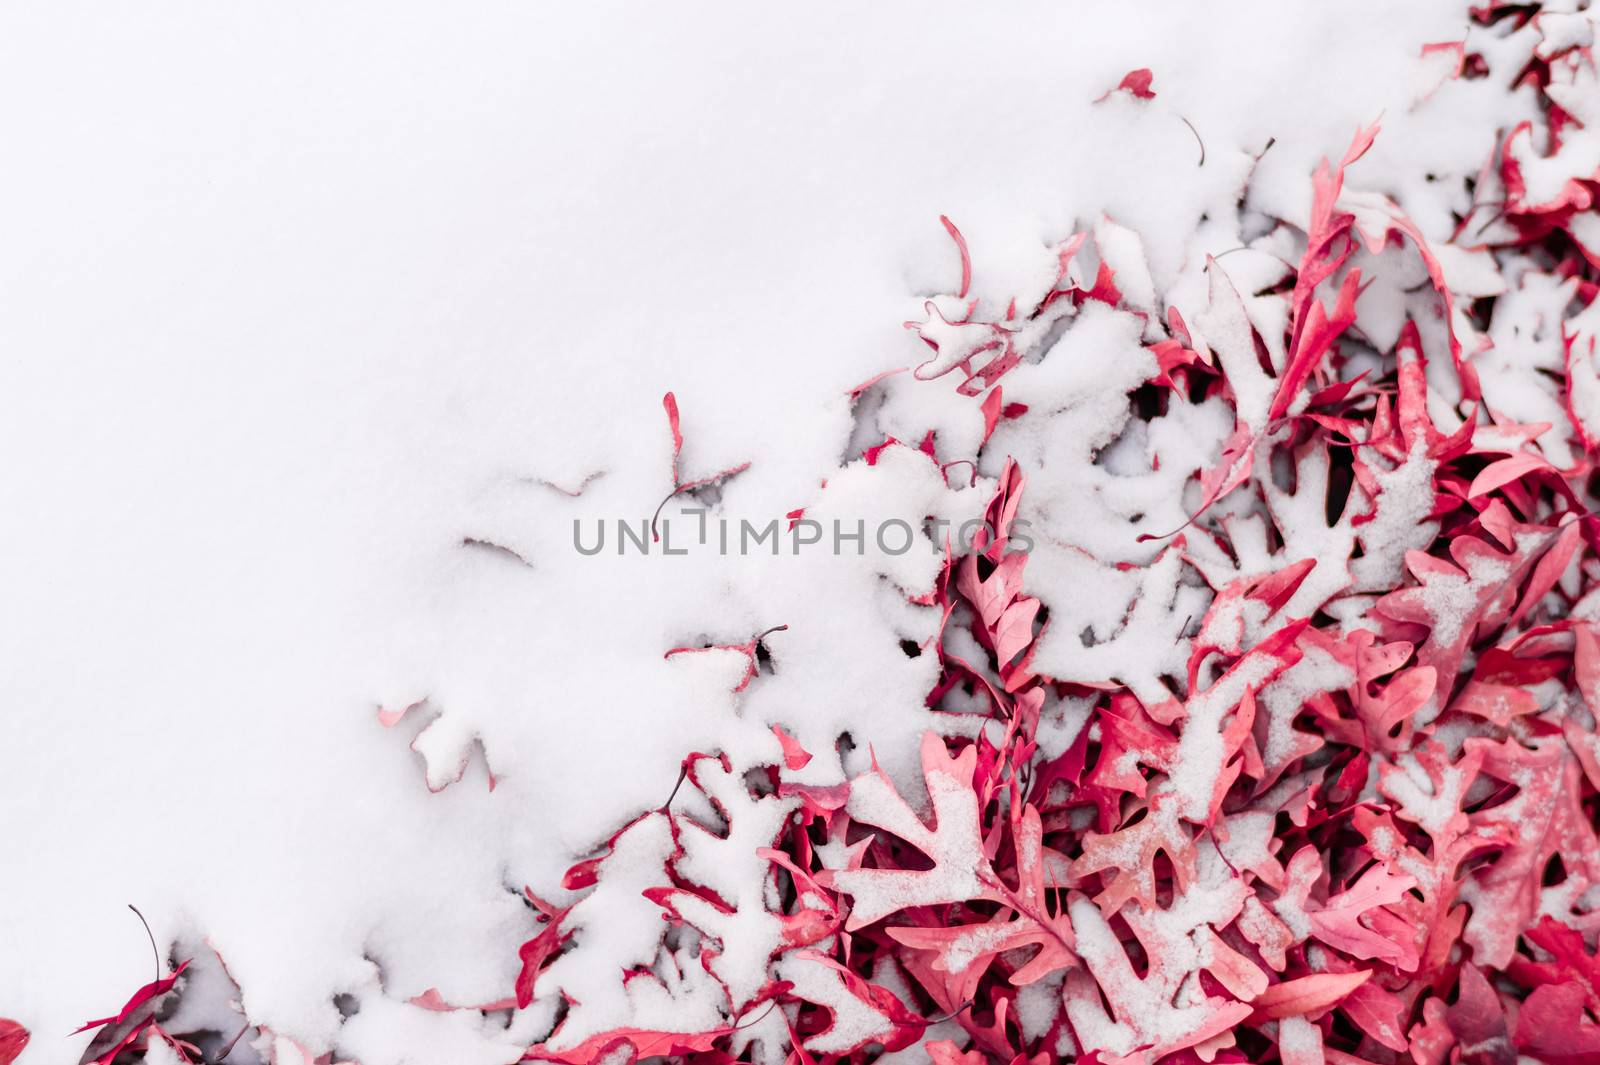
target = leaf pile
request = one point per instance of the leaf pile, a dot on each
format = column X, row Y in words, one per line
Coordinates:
column 1344, row 811
column 1283, row 745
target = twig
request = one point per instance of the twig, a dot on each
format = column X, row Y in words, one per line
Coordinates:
column 1246, row 247
column 1492, row 220
column 655, row 537
column 153, row 948
column 683, row 771
column 746, row 1024
column 958, row 1011
column 234, row 1041
column 1197, row 139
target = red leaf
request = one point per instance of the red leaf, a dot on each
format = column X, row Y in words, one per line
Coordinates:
column 1308, row 994
column 953, row 843
column 13, row 1038
column 966, row 257
column 794, row 755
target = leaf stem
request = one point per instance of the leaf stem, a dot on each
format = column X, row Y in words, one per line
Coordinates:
column 154, row 950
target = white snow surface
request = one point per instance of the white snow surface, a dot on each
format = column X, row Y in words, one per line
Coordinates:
column 297, row 302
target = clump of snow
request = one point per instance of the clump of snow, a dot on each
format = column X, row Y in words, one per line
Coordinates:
column 854, row 1021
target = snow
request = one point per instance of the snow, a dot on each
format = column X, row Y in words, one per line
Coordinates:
column 1527, row 336
column 854, row 1021
column 1317, row 672
column 1399, row 518
column 1300, row 1041
column 1200, row 745
column 1227, row 330
column 1451, row 599
column 296, row 308
column 616, row 929
column 1249, row 840
column 729, row 865
column 1038, row 1005
column 1149, row 1012
column 952, row 843
column 967, row 948
column 1420, row 801
column 1292, row 914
